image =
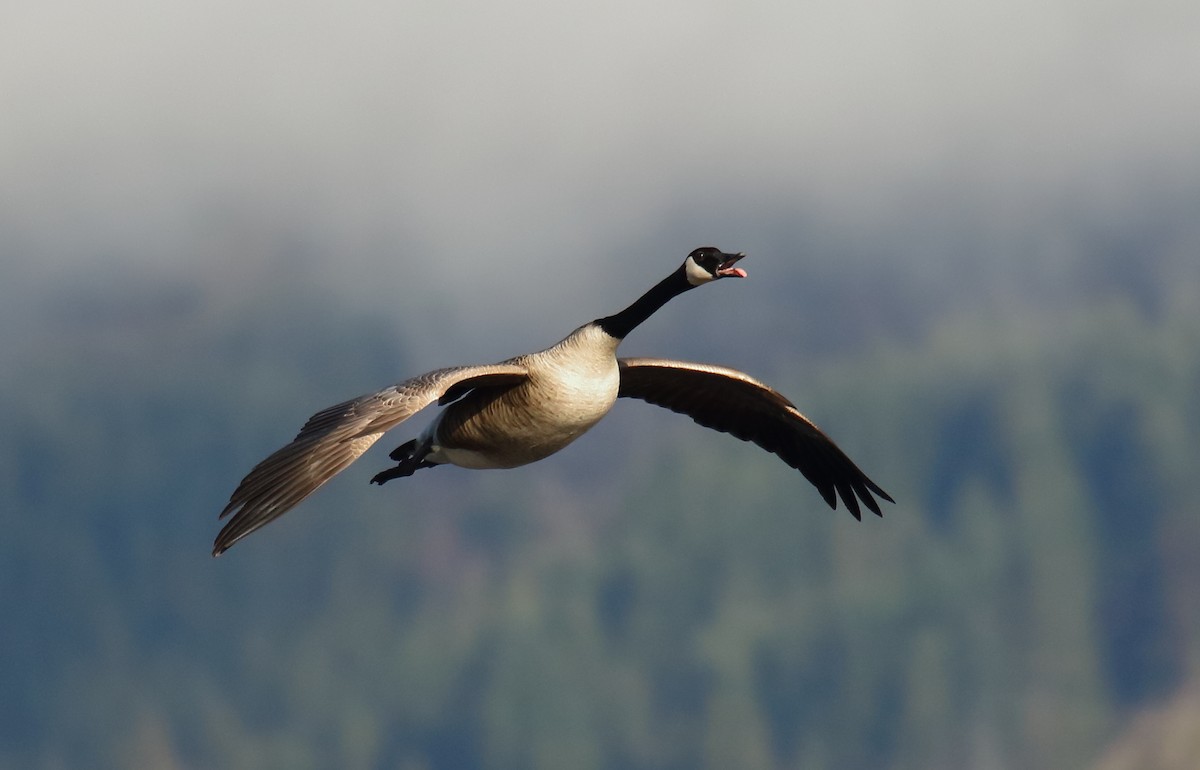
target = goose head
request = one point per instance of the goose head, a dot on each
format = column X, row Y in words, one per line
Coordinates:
column 709, row 263
column 704, row 265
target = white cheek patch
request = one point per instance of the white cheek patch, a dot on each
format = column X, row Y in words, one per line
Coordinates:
column 696, row 275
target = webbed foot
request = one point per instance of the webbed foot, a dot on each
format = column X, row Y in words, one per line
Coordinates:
column 410, row 458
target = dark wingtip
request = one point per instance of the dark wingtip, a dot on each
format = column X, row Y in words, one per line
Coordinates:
column 879, row 491
column 851, row 503
column 225, row 541
column 862, row 490
column 219, row 546
column 869, row 501
column 829, row 495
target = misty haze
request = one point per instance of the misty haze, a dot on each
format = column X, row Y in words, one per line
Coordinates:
column 974, row 259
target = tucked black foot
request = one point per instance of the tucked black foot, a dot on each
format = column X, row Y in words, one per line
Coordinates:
column 410, row 457
column 404, row 451
column 406, row 467
column 399, row 472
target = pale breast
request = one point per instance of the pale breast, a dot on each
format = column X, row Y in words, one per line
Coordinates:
column 568, row 391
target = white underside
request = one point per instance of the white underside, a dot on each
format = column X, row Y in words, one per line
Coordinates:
column 465, row 458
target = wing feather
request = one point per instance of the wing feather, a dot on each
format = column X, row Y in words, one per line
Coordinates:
column 733, row 402
column 335, row 437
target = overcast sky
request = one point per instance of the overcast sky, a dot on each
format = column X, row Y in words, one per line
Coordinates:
column 534, row 142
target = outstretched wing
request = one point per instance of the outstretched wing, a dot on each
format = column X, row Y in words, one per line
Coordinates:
column 335, row 437
column 735, row 403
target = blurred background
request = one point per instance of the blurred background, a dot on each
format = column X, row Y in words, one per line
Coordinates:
column 973, row 234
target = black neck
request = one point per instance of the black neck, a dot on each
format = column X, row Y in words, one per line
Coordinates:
column 627, row 320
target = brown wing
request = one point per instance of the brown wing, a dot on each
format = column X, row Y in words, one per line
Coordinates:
column 335, row 437
column 735, row 403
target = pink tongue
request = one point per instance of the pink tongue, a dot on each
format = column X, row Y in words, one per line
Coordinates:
column 739, row 272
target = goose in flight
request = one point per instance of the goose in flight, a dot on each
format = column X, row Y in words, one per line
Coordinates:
column 518, row 411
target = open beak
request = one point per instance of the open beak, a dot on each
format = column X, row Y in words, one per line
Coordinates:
column 727, row 269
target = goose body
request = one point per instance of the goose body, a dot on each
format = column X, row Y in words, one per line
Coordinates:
column 566, row 390
column 526, row 408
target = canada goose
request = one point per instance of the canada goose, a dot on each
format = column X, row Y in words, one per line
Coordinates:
column 526, row 408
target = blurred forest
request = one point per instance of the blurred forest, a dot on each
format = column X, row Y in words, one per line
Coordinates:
column 974, row 260
column 658, row 596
